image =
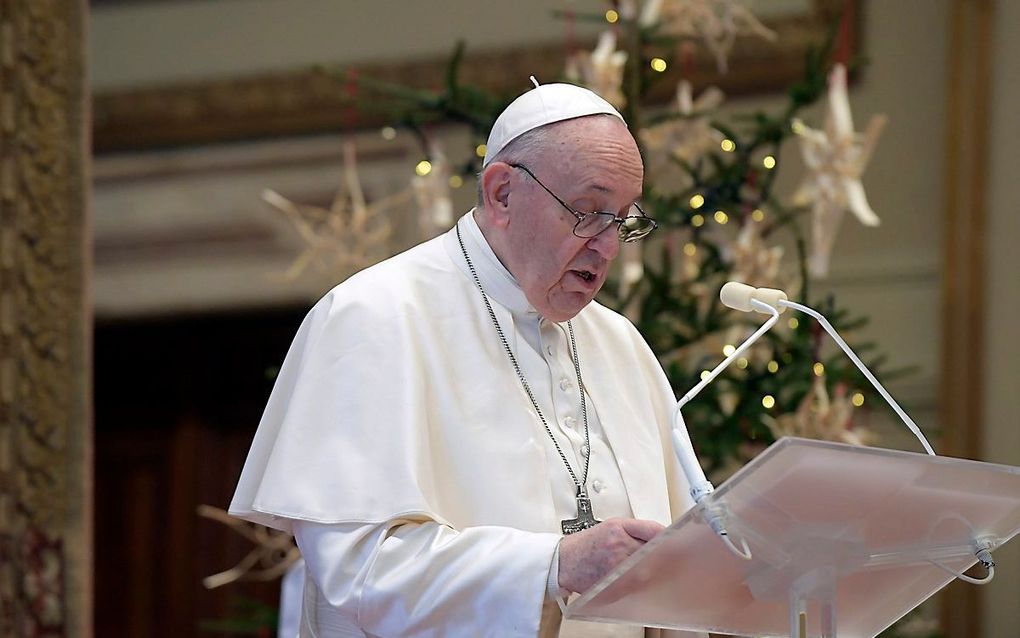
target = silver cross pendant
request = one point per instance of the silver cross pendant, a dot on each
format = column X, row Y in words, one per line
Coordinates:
column 585, row 518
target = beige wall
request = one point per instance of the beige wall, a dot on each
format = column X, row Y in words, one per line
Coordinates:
column 891, row 274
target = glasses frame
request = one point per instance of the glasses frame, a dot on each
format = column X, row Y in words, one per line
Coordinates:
column 581, row 217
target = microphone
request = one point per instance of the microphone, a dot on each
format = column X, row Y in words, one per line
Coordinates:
column 739, row 296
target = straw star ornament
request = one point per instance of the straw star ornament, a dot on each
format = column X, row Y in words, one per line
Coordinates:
column 601, row 70
column 347, row 236
column 835, row 158
column 717, row 22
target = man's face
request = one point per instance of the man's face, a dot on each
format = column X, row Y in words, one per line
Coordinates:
column 596, row 166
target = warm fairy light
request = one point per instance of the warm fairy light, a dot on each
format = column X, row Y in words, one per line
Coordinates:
column 818, row 368
column 456, row 181
column 690, row 249
column 798, row 127
column 742, row 363
column 773, row 366
column 793, row 323
column 721, row 217
column 480, row 150
column 769, row 162
column 697, row 201
column 388, row 133
column 704, row 374
column 423, row 168
column 698, row 221
column 728, row 349
column 612, row 17
column 658, row 64
column 758, row 215
column 768, row 401
column 728, row 145
column 857, row 399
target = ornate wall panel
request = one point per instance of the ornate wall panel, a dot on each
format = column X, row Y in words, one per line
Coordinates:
column 45, row 432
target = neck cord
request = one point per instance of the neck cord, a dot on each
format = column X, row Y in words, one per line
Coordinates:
column 580, row 485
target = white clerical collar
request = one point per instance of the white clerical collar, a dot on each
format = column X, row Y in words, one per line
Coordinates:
column 496, row 280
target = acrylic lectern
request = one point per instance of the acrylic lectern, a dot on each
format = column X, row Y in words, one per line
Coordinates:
column 843, row 541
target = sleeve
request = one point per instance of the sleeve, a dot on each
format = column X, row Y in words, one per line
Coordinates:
column 423, row 579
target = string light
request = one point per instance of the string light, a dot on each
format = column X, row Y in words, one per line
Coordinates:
column 742, row 363
column 612, row 17
column 423, row 168
column 697, row 221
column 768, row 401
column 480, row 150
column 690, row 249
column 798, row 127
column 721, row 217
column 793, row 323
column 704, row 374
column 773, row 366
column 456, row 181
column 769, row 162
column 758, row 215
column 728, row 349
column 857, row 399
column 728, row 145
column 388, row 133
column 658, row 64
column 819, row 368
column 697, row 201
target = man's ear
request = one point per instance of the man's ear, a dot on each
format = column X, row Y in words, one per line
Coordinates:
column 496, row 180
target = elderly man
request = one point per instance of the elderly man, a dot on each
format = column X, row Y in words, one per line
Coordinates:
column 450, row 426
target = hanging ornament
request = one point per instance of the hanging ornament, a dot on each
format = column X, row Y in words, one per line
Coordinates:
column 601, row 70
column 835, row 158
column 431, row 190
column 717, row 22
column 754, row 262
column 349, row 235
column 273, row 554
column 681, row 139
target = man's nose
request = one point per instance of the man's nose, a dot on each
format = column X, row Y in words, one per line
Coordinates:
column 606, row 243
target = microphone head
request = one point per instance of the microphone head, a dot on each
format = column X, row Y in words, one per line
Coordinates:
column 737, row 296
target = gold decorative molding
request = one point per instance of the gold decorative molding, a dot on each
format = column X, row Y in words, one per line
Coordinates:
column 964, row 270
column 307, row 101
column 45, row 432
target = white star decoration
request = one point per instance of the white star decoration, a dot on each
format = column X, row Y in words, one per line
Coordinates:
column 601, row 70
column 717, row 22
column 836, row 158
column 347, row 236
column 685, row 138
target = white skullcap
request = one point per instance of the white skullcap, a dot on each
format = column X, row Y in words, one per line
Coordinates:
column 543, row 105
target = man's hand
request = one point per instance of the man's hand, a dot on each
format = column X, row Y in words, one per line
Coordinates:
column 587, row 556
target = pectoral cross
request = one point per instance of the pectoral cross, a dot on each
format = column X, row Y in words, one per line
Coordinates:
column 585, row 518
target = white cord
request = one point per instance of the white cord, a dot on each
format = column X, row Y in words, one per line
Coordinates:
column 867, row 373
column 964, row 577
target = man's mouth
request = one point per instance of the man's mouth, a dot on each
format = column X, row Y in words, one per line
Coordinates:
column 587, row 275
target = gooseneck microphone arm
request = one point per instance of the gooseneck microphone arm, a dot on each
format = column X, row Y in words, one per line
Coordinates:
column 771, row 302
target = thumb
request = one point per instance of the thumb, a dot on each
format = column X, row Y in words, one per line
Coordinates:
column 642, row 530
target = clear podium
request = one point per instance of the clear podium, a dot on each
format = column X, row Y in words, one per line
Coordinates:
column 843, row 541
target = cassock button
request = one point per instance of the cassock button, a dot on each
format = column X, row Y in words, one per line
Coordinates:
column 597, row 486
column 549, row 350
column 570, row 422
column 585, row 450
column 564, row 384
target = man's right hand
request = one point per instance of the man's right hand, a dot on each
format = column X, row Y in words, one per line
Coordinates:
column 587, row 556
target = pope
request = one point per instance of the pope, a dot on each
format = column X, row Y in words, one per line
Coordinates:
column 460, row 434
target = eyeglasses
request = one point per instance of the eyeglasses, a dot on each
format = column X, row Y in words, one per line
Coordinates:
column 631, row 227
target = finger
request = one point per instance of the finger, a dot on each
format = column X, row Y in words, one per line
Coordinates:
column 642, row 530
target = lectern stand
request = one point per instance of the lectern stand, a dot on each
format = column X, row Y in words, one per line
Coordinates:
column 844, row 541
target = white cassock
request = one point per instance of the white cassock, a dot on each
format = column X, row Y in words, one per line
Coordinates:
column 401, row 450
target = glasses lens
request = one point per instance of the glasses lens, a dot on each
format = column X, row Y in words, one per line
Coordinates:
column 634, row 228
column 593, row 223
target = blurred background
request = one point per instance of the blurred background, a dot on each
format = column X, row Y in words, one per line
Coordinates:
column 198, row 106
